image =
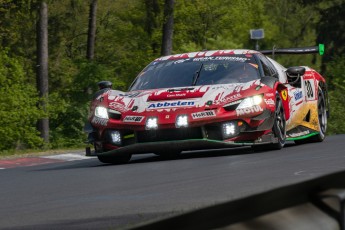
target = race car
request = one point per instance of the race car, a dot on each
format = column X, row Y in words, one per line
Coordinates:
column 207, row 100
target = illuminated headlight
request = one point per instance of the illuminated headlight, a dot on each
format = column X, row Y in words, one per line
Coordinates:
column 229, row 129
column 101, row 112
column 152, row 123
column 115, row 137
column 181, row 121
column 250, row 102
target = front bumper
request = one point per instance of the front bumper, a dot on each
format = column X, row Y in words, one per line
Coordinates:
column 184, row 145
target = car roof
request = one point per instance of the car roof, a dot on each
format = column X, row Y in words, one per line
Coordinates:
column 207, row 53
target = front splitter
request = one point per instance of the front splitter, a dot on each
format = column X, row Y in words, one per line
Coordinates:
column 163, row 146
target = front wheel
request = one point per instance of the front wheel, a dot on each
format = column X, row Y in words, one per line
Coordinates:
column 278, row 129
column 279, row 126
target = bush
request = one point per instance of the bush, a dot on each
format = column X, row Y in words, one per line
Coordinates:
column 18, row 110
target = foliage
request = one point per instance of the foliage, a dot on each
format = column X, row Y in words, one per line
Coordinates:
column 18, row 106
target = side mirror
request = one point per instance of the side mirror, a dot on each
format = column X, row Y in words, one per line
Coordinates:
column 294, row 75
column 104, row 85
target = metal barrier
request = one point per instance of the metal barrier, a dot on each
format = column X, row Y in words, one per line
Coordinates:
column 235, row 211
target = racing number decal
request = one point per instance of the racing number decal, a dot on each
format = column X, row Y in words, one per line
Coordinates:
column 309, row 88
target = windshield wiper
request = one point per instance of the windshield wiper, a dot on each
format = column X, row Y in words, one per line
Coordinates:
column 197, row 74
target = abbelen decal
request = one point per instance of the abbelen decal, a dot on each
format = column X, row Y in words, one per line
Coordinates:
column 203, row 114
column 249, row 110
column 133, row 119
column 170, row 104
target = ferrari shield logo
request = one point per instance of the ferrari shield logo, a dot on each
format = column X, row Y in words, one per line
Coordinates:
column 284, row 94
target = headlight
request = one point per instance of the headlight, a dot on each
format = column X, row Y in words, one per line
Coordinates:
column 115, row 137
column 152, row 123
column 181, row 121
column 101, row 112
column 229, row 129
column 250, row 102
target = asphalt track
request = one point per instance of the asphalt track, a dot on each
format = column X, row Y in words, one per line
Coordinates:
column 87, row 194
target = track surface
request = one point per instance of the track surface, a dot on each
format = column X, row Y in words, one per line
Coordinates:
column 87, row 194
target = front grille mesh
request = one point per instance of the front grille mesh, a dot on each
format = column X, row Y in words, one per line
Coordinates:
column 169, row 134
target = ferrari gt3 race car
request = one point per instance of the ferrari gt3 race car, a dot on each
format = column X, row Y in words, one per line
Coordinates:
column 207, row 100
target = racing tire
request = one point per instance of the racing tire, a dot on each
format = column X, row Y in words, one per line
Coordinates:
column 322, row 121
column 278, row 129
column 123, row 159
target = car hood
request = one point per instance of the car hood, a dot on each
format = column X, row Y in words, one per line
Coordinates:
column 179, row 97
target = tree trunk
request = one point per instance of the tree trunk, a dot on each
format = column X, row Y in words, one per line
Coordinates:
column 168, row 27
column 151, row 24
column 42, row 67
column 91, row 36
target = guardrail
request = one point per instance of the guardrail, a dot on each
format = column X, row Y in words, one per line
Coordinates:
column 235, row 211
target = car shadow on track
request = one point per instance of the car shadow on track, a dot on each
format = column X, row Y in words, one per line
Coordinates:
column 150, row 158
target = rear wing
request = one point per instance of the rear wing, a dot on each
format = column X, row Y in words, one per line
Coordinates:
column 302, row 50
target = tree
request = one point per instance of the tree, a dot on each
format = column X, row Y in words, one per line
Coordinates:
column 42, row 67
column 91, row 37
column 168, row 27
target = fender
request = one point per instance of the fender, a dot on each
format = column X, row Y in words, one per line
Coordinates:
column 282, row 90
column 284, row 95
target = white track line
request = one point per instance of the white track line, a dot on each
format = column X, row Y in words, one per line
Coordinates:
column 67, row 157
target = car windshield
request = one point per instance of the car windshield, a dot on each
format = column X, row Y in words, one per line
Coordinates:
column 197, row 71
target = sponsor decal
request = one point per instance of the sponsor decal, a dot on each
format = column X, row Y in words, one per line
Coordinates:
column 176, row 95
column 298, row 95
column 133, row 119
column 230, row 98
column 269, row 101
column 284, row 94
column 170, row 104
column 299, row 134
column 269, row 94
column 254, row 109
column 99, row 121
column 203, row 114
column 227, row 58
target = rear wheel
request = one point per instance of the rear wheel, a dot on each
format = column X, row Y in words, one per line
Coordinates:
column 322, row 121
column 122, row 159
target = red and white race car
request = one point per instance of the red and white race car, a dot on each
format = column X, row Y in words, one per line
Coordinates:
column 209, row 99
